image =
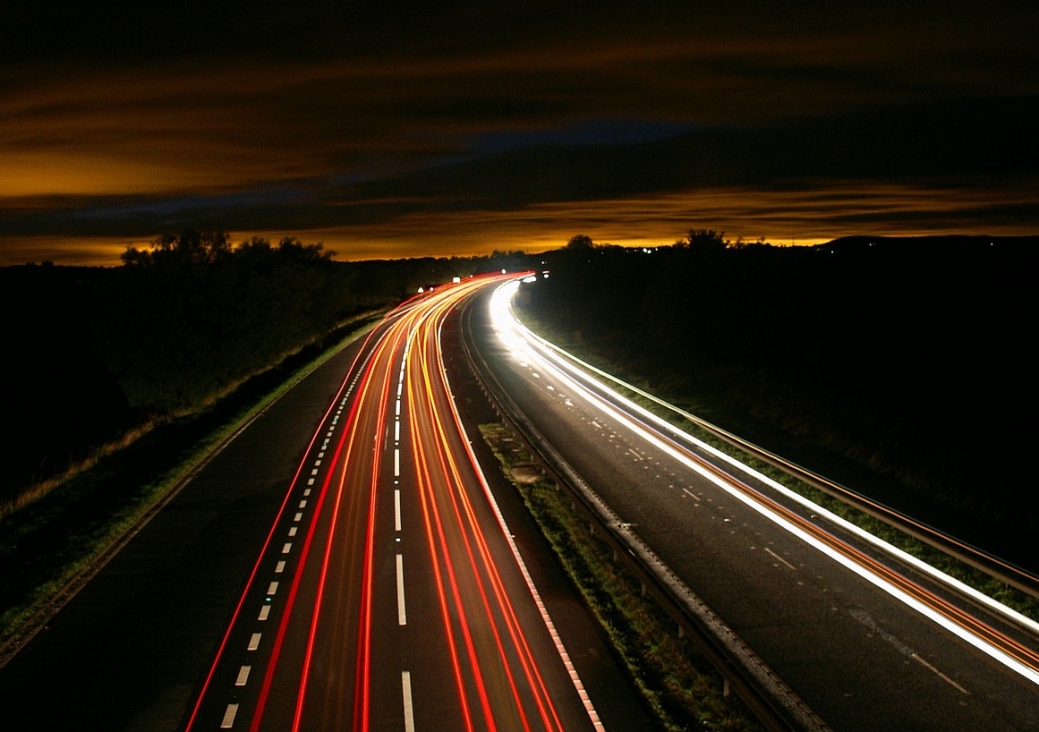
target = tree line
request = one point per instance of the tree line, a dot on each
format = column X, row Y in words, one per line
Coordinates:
column 899, row 358
column 96, row 352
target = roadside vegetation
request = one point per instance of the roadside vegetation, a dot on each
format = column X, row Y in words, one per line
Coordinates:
column 679, row 686
column 124, row 379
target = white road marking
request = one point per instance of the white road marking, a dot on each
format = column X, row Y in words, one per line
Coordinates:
column 297, row 517
column 396, row 509
column 691, row 494
column 396, row 431
column 292, row 531
column 402, row 615
column 396, row 463
column 254, row 642
column 287, row 547
column 409, row 712
column 272, row 588
column 280, row 568
column 303, row 503
column 228, row 721
column 243, row 675
column 939, row 674
column 781, row 559
column 264, row 612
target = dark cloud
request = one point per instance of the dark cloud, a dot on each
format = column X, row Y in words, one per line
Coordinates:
column 385, row 121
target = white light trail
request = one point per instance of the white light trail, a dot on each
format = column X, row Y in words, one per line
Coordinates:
column 528, row 348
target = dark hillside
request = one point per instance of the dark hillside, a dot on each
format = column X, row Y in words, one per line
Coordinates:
column 900, row 365
column 56, row 396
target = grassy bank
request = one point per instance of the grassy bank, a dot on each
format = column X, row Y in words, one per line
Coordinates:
column 48, row 543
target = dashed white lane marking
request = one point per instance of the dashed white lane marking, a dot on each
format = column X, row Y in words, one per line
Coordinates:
column 402, row 615
column 396, row 463
column 303, row 503
column 243, row 675
column 691, row 494
column 781, row 559
column 306, row 492
column 292, row 531
column 939, row 674
column 228, row 721
column 280, row 568
column 265, row 612
column 409, row 712
column 254, row 641
column 396, row 431
column 272, row 588
column 396, row 509
column 297, row 517
column 287, row 547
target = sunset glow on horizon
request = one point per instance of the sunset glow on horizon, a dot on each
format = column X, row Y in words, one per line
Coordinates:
column 513, row 128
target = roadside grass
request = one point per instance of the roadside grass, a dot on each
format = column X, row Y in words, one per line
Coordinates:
column 68, row 527
column 677, row 683
column 984, row 582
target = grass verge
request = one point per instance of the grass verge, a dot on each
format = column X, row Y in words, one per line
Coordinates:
column 46, row 544
column 678, row 684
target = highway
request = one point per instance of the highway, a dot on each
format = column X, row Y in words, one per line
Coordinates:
column 868, row 638
column 389, row 594
column 344, row 563
column 340, row 563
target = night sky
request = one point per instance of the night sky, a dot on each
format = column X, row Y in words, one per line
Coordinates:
column 391, row 129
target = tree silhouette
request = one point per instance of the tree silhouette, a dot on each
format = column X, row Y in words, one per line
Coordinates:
column 580, row 242
column 705, row 240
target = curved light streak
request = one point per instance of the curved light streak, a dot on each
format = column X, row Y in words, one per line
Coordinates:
column 528, row 347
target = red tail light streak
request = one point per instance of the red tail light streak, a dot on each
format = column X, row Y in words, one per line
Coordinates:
column 390, row 482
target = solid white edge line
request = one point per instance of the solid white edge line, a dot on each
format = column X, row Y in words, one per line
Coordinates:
column 575, row 679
